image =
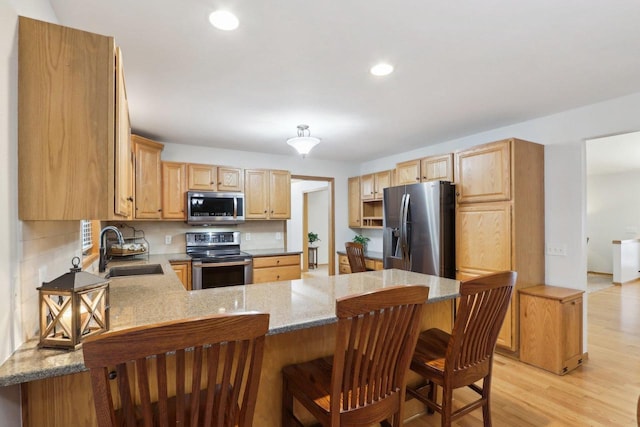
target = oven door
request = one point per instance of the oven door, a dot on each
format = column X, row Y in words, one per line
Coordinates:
column 217, row 274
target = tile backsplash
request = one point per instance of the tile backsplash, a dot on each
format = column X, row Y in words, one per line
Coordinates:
column 260, row 234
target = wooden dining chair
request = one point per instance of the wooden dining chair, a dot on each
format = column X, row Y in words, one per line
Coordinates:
column 355, row 253
column 364, row 381
column 465, row 356
column 195, row 372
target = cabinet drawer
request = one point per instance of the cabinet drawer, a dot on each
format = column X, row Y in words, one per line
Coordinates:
column 276, row 261
column 273, row 274
column 344, row 269
column 343, row 260
column 370, row 264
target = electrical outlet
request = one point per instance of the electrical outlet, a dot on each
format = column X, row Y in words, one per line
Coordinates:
column 167, row 239
column 557, row 250
column 278, row 236
column 247, row 236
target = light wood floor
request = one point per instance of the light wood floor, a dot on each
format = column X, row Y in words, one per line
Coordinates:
column 603, row 392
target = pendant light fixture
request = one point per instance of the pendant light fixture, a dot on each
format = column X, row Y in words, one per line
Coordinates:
column 304, row 142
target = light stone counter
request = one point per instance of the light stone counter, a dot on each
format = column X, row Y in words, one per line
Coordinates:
column 293, row 305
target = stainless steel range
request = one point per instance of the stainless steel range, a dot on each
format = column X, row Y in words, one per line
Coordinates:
column 217, row 260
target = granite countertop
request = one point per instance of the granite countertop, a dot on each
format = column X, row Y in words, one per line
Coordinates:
column 368, row 254
column 141, row 300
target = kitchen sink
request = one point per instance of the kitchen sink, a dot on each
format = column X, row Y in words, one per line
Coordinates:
column 135, row 270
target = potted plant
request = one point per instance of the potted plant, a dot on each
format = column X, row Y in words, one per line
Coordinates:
column 312, row 237
column 359, row 238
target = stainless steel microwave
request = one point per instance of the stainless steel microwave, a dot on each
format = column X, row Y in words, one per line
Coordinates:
column 214, row 208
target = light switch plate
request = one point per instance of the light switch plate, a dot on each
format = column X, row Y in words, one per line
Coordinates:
column 167, row 239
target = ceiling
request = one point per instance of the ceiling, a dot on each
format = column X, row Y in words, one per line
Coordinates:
column 461, row 67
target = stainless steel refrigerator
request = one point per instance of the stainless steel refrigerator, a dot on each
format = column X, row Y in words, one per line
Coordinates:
column 419, row 228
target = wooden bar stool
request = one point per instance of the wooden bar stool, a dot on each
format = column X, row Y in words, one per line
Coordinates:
column 355, row 253
column 364, row 382
column 195, row 372
column 465, row 356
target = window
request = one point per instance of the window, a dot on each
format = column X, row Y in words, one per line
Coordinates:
column 87, row 236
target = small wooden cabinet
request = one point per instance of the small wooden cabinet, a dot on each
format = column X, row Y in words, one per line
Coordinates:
column 230, row 179
column 148, row 178
column 551, row 328
column 201, row 177
column 432, row 168
column 173, row 189
column 275, row 268
column 371, row 185
column 408, row 172
column 345, row 268
column 183, row 271
column 267, row 194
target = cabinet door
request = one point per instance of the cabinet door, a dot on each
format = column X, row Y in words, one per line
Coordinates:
column 367, row 187
column 123, row 154
column 483, row 173
column 483, row 237
column 173, row 190
column 355, row 204
column 408, row 172
column 183, row 271
column 279, row 194
column 256, row 193
column 382, row 180
column 437, row 168
column 148, row 178
column 571, row 328
column 202, row 177
column 230, row 179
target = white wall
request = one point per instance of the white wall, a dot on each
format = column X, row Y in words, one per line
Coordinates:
column 318, row 204
column 613, row 213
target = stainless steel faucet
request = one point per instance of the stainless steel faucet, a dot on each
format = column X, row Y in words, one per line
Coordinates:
column 102, row 265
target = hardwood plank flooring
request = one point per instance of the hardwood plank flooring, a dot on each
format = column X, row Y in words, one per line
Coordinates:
column 602, row 392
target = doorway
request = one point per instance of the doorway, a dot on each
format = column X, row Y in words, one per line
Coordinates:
column 312, row 210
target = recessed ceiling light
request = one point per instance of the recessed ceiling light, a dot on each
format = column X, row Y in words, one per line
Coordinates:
column 381, row 69
column 223, row 20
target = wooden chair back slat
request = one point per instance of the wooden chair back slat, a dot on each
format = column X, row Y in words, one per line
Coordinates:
column 216, row 361
column 355, row 254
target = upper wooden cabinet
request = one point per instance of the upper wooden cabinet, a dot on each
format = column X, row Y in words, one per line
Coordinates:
column 500, row 218
column 483, row 173
column 215, row 178
column 371, row 185
column 267, row 194
column 148, row 178
column 355, row 203
column 432, row 168
column 437, row 168
column 408, row 172
column 72, row 125
column 230, row 179
column 201, row 177
column 173, row 190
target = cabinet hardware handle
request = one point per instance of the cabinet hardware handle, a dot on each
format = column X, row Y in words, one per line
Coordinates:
column 130, row 199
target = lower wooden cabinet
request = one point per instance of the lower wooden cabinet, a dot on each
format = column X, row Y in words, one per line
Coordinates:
column 370, row 263
column 183, row 271
column 275, row 268
column 551, row 328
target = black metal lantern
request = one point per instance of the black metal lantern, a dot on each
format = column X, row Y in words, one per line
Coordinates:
column 72, row 307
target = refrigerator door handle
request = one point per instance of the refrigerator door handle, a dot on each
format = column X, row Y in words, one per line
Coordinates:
column 406, row 251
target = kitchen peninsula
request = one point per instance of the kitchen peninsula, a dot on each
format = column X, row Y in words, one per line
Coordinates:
column 56, row 387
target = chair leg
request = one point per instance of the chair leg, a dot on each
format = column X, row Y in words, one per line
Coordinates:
column 432, row 396
column 486, row 408
column 447, row 406
column 287, row 405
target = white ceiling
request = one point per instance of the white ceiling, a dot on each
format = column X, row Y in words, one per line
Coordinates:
column 461, row 67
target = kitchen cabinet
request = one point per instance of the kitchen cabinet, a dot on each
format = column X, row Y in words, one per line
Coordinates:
column 148, row 178
column 74, row 157
column 267, row 194
column 174, row 177
column 437, row 168
column 275, row 268
column 355, row 204
column 370, row 263
column 408, row 172
column 500, row 218
column 432, row 168
column 230, row 179
column 551, row 328
column 183, row 271
column 371, row 185
column 201, row 177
